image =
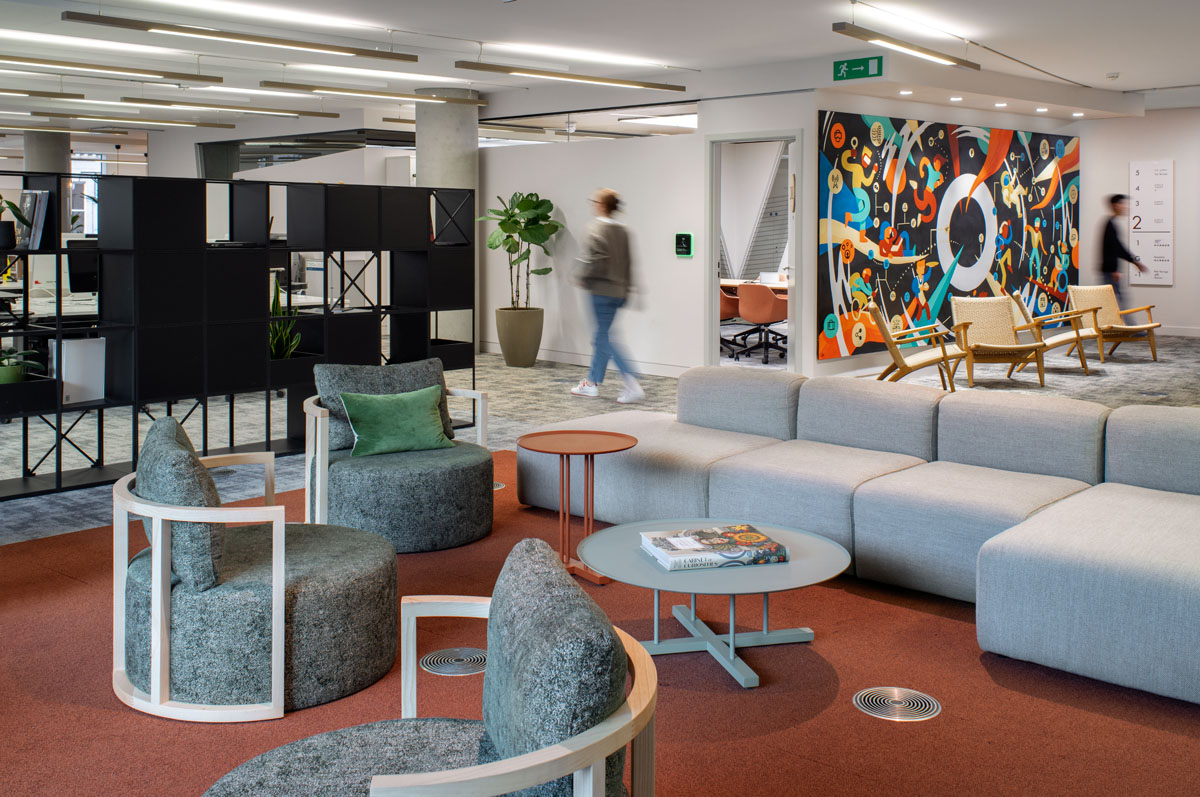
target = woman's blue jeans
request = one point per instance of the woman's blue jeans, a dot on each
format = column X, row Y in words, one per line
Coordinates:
column 605, row 308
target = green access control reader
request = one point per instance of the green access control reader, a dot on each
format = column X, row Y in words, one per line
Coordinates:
column 683, row 244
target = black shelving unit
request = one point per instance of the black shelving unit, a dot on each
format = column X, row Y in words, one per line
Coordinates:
column 186, row 322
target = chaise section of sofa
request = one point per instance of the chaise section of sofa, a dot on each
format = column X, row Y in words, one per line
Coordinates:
column 667, row 473
column 1000, row 459
column 1106, row 583
column 850, row 431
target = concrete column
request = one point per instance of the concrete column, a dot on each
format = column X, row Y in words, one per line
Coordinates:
column 47, row 152
column 448, row 157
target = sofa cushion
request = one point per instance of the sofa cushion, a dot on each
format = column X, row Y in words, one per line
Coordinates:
column 169, row 472
column 333, row 380
column 798, row 483
column 1020, row 432
column 1104, row 584
column 396, row 422
column 746, row 400
column 922, row 527
column 863, row 413
column 664, row 475
column 1154, row 447
column 556, row 666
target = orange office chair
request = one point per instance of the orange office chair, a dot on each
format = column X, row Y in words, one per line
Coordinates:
column 759, row 305
column 729, row 311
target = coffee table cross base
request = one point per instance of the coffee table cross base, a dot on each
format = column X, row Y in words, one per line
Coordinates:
column 722, row 647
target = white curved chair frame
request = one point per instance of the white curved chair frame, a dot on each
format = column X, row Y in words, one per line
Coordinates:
column 582, row 755
column 316, row 445
column 161, row 517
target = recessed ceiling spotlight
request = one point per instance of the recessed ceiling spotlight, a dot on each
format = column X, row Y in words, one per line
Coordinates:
column 905, row 92
column 956, row 99
column 1002, row 105
column 1077, row 113
column 1042, row 110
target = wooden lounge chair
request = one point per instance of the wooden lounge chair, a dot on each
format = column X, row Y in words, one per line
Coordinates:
column 986, row 334
column 906, row 360
column 1108, row 321
column 1074, row 336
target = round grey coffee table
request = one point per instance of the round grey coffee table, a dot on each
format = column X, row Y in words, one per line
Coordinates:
column 617, row 553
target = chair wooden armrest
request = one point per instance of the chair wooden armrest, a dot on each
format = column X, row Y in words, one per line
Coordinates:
column 161, row 517
column 997, row 347
column 316, row 449
column 928, row 336
column 1065, row 315
column 913, row 331
column 480, row 398
column 264, row 458
column 1147, row 308
column 582, row 755
column 414, row 606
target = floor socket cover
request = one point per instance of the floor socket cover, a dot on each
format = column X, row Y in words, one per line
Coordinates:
column 897, row 704
column 455, row 661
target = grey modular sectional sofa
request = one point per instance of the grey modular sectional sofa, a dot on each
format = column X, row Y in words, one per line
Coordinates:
column 1074, row 528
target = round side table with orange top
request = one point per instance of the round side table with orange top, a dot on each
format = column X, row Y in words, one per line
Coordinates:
column 585, row 443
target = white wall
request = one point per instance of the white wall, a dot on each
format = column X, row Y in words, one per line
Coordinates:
column 1105, row 149
column 661, row 182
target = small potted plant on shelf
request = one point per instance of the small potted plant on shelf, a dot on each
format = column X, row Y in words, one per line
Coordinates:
column 13, row 364
column 8, row 231
column 522, row 223
column 288, row 366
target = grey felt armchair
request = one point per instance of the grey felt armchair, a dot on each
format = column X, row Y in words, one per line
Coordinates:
column 418, row 500
column 556, row 714
column 218, row 623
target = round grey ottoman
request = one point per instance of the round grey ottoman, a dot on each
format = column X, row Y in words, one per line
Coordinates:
column 344, row 761
column 340, row 610
column 419, row 500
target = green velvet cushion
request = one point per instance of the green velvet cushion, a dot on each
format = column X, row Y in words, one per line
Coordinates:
column 398, row 422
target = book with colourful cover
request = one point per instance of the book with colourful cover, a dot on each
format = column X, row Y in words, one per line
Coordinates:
column 724, row 546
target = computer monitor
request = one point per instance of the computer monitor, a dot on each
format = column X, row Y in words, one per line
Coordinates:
column 83, row 268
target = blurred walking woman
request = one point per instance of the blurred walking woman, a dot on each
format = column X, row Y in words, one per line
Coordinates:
column 606, row 274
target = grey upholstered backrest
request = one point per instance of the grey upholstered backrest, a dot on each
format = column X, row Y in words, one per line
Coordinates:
column 1050, row 435
column 556, row 666
column 377, row 380
column 169, row 472
column 747, row 400
column 863, row 413
column 1155, row 447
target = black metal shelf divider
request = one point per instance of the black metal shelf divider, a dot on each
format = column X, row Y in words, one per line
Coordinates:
column 186, row 322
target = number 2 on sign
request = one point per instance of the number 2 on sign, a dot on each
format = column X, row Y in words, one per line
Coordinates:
column 1137, row 222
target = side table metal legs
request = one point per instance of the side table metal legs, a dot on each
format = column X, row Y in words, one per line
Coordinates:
column 723, row 649
column 574, row 566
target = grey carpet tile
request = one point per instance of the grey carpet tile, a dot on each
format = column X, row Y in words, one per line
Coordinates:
column 522, row 399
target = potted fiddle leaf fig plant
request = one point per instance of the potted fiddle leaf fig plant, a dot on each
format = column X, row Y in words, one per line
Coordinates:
column 13, row 365
column 523, row 222
column 8, row 231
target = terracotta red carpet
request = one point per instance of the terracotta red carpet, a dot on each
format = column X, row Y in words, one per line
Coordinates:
column 1006, row 727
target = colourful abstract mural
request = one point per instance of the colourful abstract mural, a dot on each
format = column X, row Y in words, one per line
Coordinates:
column 913, row 212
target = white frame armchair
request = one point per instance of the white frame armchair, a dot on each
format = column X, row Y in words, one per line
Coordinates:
column 582, row 756
column 316, row 445
column 161, row 517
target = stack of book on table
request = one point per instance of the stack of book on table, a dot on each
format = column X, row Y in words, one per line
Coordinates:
column 725, row 546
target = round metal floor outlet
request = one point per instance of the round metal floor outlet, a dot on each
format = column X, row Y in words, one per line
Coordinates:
column 455, row 661
column 897, row 704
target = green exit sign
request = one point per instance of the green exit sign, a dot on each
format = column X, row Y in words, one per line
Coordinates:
column 857, row 68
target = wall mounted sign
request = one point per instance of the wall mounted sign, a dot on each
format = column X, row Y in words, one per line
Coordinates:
column 858, row 68
column 913, row 213
column 1152, row 221
column 683, row 244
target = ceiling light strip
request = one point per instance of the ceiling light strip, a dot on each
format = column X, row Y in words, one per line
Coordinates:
column 519, row 71
column 31, row 129
column 233, row 37
column 901, row 45
column 51, row 95
column 187, row 105
column 381, row 94
column 105, row 69
column 131, row 120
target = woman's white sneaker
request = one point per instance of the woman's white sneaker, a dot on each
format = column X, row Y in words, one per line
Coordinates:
column 586, row 388
column 632, row 394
